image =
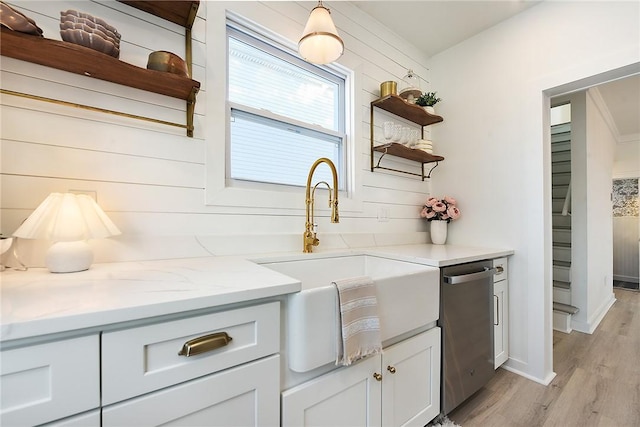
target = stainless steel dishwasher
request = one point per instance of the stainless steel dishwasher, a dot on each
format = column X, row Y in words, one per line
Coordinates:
column 466, row 319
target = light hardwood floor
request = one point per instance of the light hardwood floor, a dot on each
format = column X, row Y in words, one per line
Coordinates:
column 597, row 382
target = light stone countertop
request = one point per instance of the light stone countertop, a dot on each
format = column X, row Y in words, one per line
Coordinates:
column 37, row 303
column 440, row 255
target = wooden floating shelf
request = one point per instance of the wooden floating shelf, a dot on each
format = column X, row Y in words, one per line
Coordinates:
column 415, row 113
column 414, row 154
column 182, row 13
column 88, row 62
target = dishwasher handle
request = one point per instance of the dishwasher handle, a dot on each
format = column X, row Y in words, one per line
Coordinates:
column 465, row 278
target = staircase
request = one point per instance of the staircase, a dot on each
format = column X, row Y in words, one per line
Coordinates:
column 561, row 207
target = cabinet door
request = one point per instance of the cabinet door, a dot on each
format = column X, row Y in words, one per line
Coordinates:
column 246, row 395
column 411, row 380
column 500, row 322
column 50, row 381
column 347, row 397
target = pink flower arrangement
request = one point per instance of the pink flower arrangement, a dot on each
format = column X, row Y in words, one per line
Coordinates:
column 444, row 209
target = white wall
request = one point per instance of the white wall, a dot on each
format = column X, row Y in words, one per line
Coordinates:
column 592, row 289
column 153, row 181
column 627, row 161
column 496, row 143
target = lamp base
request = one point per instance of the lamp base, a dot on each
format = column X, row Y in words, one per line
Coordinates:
column 69, row 257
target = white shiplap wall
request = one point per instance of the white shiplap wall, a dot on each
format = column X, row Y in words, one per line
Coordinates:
column 159, row 185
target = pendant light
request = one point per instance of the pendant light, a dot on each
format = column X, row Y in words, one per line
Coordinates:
column 320, row 42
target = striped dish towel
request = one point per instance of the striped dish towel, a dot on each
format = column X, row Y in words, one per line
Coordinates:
column 360, row 326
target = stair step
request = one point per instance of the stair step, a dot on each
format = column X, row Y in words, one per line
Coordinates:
column 560, row 178
column 561, row 284
column 561, row 273
column 561, row 128
column 559, row 191
column 560, row 156
column 562, row 321
column 561, row 227
column 557, row 205
column 560, row 167
column 562, row 236
column 561, row 295
column 562, row 253
column 561, row 145
column 560, row 220
column 566, row 308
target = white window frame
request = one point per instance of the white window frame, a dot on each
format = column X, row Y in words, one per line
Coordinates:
column 263, row 197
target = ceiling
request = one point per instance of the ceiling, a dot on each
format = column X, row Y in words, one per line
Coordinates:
column 451, row 21
column 455, row 21
column 622, row 98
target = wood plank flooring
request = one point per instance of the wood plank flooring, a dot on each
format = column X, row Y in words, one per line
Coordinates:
column 597, row 381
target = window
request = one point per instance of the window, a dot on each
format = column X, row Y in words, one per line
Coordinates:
column 285, row 113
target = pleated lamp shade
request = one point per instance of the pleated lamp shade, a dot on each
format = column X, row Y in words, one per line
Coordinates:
column 68, row 220
column 320, row 42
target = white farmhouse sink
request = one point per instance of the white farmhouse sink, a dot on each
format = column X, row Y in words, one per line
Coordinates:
column 408, row 298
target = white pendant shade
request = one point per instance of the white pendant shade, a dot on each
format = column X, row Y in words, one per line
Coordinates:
column 320, row 43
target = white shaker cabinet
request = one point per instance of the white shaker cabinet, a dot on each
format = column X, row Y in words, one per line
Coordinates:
column 218, row 369
column 500, row 312
column 349, row 396
column 411, row 380
column 401, row 387
column 246, row 395
column 46, row 382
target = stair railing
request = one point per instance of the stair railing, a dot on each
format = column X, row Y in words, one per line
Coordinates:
column 567, row 201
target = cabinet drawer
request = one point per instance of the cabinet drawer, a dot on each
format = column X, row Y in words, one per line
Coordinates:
column 88, row 419
column 246, row 395
column 500, row 264
column 46, row 382
column 139, row 360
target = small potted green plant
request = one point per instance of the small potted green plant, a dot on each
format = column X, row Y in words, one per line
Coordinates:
column 428, row 100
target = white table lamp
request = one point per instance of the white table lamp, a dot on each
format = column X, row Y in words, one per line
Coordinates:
column 68, row 220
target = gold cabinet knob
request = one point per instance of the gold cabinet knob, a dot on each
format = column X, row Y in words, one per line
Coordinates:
column 391, row 369
column 377, row 376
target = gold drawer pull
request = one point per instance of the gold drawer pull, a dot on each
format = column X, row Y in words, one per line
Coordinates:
column 204, row 344
column 391, row 369
column 377, row 376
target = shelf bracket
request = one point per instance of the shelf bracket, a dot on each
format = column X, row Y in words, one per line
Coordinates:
column 191, row 108
column 380, row 159
column 430, row 170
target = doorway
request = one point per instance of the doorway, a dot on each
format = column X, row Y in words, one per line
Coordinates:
column 600, row 128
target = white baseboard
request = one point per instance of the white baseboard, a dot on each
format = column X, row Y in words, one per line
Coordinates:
column 590, row 326
column 626, row 278
column 544, row 381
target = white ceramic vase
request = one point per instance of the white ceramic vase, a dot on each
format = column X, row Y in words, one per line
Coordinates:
column 430, row 110
column 438, row 232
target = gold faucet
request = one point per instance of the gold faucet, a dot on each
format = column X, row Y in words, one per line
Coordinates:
column 309, row 238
